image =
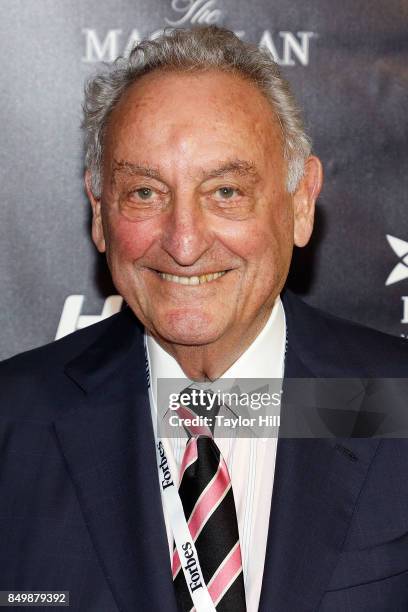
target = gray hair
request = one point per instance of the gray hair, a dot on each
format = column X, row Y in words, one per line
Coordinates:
column 200, row 48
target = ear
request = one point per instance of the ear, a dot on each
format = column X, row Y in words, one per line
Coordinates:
column 97, row 227
column 304, row 200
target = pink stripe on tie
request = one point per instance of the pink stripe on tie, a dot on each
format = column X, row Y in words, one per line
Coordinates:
column 195, row 430
column 206, row 504
column 225, row 575
column 209, row 499
column 175, row 564
column 189, row 457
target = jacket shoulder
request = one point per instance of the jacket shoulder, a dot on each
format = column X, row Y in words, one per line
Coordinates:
column 363, row 350
column 55, row 354
column 38, row 383
column 34, row 383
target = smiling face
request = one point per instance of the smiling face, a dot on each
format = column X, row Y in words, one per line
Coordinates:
column 194, row 214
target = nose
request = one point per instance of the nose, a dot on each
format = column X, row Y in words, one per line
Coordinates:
column 186, row 235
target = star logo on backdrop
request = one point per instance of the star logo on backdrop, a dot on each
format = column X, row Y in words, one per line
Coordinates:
column 400, row 271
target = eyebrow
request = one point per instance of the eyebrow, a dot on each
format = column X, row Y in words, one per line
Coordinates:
column 126, row 167
column 236, row 166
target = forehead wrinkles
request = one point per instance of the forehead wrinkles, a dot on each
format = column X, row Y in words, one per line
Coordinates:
column 236, row 111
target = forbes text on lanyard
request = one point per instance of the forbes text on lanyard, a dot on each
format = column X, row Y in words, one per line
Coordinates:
column 184, row 542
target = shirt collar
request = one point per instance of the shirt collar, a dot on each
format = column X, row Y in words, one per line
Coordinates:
column 264, row 358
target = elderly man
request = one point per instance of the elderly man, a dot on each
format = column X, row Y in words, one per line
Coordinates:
column 201, row 181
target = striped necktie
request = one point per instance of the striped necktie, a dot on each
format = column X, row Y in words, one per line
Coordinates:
column 208, row 502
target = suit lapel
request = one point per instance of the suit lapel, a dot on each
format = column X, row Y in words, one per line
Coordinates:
column 316, row 486
column 108, row 445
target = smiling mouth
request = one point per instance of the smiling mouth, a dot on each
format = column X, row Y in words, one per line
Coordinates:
column 192, row 280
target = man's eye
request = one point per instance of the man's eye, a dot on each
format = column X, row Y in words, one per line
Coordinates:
column 144, row 193
column 226, row 192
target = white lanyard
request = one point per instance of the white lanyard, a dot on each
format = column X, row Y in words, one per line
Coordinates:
column 186, row 549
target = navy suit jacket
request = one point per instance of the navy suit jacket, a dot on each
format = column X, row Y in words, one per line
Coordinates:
column 80, row 505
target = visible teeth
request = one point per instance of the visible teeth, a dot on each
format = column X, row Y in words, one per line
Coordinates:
column 191, row 280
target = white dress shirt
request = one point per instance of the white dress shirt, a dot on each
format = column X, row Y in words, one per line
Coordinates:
column 250, row 460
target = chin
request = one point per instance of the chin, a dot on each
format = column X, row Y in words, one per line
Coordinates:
column 189, row 329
